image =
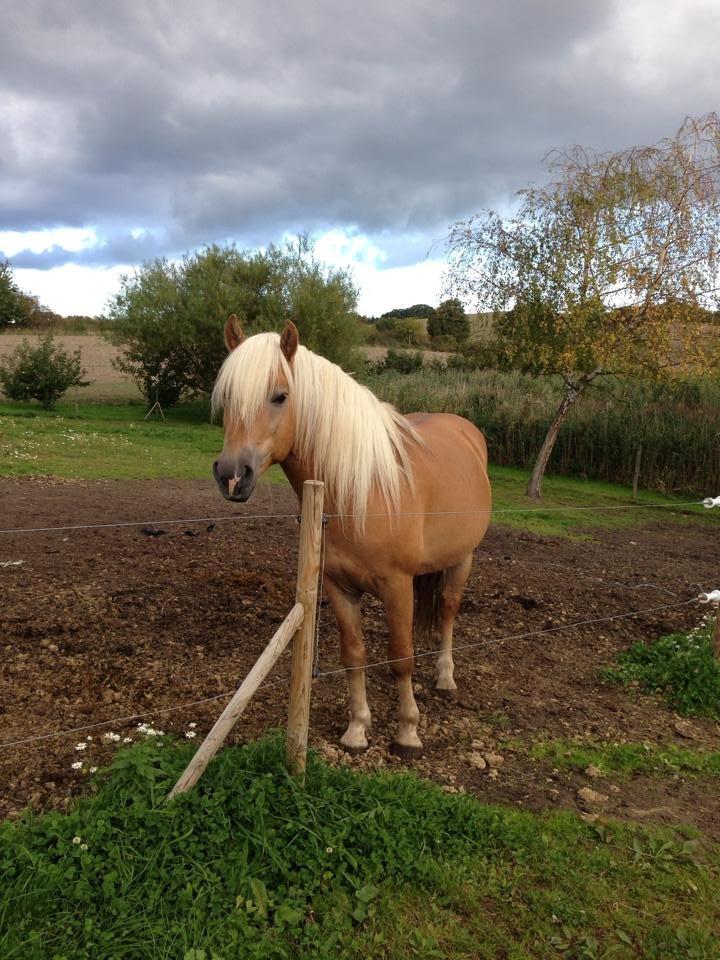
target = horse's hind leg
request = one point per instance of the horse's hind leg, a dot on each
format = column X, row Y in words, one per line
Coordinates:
column 397, row 597
column 346, row 607
column 455, row 578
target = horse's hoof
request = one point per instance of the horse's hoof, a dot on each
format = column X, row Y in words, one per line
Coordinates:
column 355, row 751
column 405, row 752
column 446, row 694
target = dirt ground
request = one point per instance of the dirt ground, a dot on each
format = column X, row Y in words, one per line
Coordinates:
column 109, row 623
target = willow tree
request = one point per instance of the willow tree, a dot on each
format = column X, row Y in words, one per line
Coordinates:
column 610, row 268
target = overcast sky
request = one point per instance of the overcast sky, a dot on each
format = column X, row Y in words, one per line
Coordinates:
column 135, row 129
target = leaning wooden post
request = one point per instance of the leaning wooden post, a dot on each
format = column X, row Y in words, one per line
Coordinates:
column 311, row 520
column 227, row 719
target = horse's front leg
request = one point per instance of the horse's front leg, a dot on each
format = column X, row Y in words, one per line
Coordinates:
column 346, row 607
column 397, row 597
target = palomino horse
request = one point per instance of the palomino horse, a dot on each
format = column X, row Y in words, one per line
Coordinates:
column 408, row 499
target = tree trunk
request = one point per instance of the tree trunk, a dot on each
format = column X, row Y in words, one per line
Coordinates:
column 572, row 393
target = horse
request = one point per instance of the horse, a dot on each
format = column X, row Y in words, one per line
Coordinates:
column 407, row 497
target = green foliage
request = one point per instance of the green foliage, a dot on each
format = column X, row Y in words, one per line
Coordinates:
column 680, row 667
column 43, row 373
column 12, row 305
column 250, row 864
column 628, row 759
column 401, row 361
column 168, row 317
column 422, row 310
column 450, row 322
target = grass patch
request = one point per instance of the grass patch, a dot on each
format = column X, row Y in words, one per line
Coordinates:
column 108, row 441
column 604, row 506
column 682, row 668
column 628, row 759
column 250, row 865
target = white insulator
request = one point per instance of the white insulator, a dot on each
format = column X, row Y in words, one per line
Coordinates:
column 711, row 502
column 712, row 597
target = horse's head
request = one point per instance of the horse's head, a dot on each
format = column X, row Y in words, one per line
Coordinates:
column 258, row 417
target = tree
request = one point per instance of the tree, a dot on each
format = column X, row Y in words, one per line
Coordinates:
column 450, row 320
column 12, row 306
column 422, row 310
column 168, row 316
column 43, row 373
column 605, row 270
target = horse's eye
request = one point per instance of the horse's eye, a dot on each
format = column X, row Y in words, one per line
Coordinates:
column 279, row 399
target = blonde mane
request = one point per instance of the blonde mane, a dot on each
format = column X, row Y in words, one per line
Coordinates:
column 350, row 440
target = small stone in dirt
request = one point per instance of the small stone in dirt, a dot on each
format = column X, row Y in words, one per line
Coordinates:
column 448, row 788
column 493, row 774
column 477, row 760
column 591, row 798
column 685, row 729
column 614, row 789
column 477, row 744
column 594, row 772
column 494, row 760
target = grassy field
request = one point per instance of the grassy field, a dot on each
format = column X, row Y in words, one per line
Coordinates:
column 251, row 865
column 101, row 441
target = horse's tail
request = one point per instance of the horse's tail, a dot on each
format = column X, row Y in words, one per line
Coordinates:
column 427, row 589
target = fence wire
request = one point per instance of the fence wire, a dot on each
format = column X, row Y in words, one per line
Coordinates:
column 459, row 648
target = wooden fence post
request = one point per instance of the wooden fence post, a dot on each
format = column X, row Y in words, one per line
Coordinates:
column 311, row 521
column 636, row 475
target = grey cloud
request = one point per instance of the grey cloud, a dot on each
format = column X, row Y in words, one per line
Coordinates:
column 209, row 121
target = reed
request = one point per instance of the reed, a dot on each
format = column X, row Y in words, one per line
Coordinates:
column 678, row 424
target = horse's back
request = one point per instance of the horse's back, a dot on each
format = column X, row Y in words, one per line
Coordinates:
column 451, row 486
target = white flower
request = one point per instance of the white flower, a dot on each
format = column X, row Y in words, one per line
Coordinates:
column 328, row 850
column 111, row 736
column 192, row 725
column 83, row 846
column 81, row 746
column 127, row 739
column 190, row 734
column 77, row 765
column 93, row 769
column 88, row 737
column 77, row 839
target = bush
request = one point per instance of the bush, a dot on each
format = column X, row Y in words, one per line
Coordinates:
column 450, row 321
column 168, row 318
column 402, row 361
column 43, row 373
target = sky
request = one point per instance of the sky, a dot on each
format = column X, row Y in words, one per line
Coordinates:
column 153, row 127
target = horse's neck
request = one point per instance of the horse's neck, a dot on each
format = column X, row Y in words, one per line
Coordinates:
column 297, row 473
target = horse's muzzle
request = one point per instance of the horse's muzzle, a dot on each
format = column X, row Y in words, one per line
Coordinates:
column 235, row 483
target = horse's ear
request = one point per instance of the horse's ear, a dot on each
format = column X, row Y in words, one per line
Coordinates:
column 233, row 332
column 289, row 340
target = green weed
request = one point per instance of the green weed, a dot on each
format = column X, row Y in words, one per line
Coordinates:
column 680, row 667
column 627, row 759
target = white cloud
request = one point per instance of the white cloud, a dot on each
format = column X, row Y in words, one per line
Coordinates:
column 72, row 289
column 38, row 241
